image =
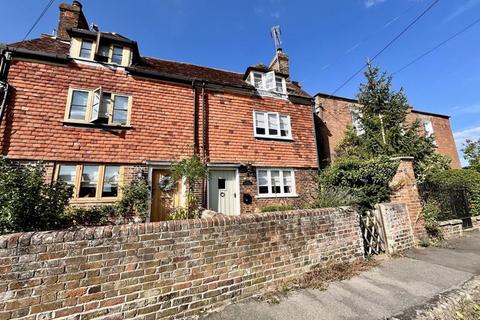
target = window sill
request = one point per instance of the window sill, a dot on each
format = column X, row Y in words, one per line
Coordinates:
column 96, row 125
column 272, row 94
column 270, row 196
column 286, row 139
column 92, row 200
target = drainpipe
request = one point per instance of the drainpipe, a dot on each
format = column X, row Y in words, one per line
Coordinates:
column 315, row 132
column 195, row 122
column 4, row 67
column 204, row 143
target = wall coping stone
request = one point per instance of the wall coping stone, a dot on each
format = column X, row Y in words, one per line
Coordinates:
column 450, row 222
column 24, row 239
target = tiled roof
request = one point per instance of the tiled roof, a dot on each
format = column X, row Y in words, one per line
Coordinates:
column 44, row 44
column 55, row 46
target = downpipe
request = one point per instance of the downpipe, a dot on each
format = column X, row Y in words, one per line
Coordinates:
column 5, row 59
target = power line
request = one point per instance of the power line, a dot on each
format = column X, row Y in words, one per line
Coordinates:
column 368, row 37
column 386, row 46
column 437, row 46
column 49, row 4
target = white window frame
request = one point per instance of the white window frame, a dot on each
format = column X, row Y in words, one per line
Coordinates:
column 263, row 86
column 278, row 136
column 76, row 45
column 282, row 194
column 430, row 132
column 91, row 115
column 356, row 117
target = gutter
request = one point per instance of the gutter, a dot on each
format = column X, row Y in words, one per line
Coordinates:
column 20, row 52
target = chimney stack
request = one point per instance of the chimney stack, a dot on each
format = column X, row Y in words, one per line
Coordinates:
column 280, row 63
column 71, row 16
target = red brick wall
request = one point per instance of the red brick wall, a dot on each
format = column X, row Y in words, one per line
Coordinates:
column 162, row 121
column 443, row 136
column 230, row 132
column 336, row 116
column 407, row 192
column 33, row 127
column 157, row 270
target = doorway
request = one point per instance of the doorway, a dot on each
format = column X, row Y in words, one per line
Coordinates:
column 166, row 195
column 223, row 192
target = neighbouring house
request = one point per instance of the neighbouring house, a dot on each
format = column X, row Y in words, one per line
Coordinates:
column 99, row 114
column 336, row 113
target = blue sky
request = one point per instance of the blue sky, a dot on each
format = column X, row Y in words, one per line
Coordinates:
column 327, row 41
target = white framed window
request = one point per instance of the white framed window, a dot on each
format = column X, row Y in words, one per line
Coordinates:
column 268, row 82
column 357, row 121
column 428, row 129
column 91, row 181
column 86, row 49
column 275, row 183
column 272, row 125
column 98, row 107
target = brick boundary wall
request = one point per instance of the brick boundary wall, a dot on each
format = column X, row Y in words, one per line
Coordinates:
column 157, row 270
column 397, row 226
column 408, row 194
column 451, row 228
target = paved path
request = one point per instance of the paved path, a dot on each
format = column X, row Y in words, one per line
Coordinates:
column 396, row 287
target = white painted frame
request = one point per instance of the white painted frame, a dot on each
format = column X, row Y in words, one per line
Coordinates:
column 263, row 86
column 269, row 179
column 225, row 167
column 267, row 135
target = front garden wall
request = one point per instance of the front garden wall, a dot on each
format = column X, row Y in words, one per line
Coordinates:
column 165, row 268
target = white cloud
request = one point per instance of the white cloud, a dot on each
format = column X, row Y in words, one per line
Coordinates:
column 461, row 136
column 466, row 110
column 462, row 9
column 371, row 3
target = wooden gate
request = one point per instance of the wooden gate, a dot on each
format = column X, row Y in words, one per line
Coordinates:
column 373, row 233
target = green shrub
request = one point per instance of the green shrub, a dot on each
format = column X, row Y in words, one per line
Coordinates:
column 367, row 181
column 89, row 216
column 277, row 207
column 333, row 197
column 135, row 199
column 431, row 213
column 457, row 178
column 27, row 203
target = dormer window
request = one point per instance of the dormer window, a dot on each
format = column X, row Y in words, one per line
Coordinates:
column 86, row 49
column 106, row 52
column 268, row 81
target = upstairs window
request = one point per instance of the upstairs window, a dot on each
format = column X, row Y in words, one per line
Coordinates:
column 117, row 55
column 98, row 107
column 91, row 182
column 268, row 82
column 104, row 52
column 86, row 49
column 357, row 122
column 272, row 125
column 275, row 182
column 428, row 129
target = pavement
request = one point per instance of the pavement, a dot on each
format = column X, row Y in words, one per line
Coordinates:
column 395, row 289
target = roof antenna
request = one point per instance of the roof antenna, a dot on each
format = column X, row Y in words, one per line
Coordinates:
column 276, row 33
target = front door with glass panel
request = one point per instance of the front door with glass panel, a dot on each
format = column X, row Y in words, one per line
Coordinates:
column 222, row 191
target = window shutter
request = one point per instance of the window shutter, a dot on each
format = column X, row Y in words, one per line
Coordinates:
column 270, row 81
column 96, row 101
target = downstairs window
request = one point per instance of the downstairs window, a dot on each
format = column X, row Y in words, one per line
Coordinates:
column 275, row 182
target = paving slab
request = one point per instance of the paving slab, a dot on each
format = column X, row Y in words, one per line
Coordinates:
column 394, row 286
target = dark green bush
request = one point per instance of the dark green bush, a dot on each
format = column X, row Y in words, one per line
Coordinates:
column 89, row 216
column 367, row 181
column 333, row 197
column 457, row 178
column 27, row 203
column 135, row 199
column 277, row 207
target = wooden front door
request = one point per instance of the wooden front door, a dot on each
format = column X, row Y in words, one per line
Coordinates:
column 163, row 202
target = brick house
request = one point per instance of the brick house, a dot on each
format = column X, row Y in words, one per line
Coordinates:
column 99, row 114
column 336, row 113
